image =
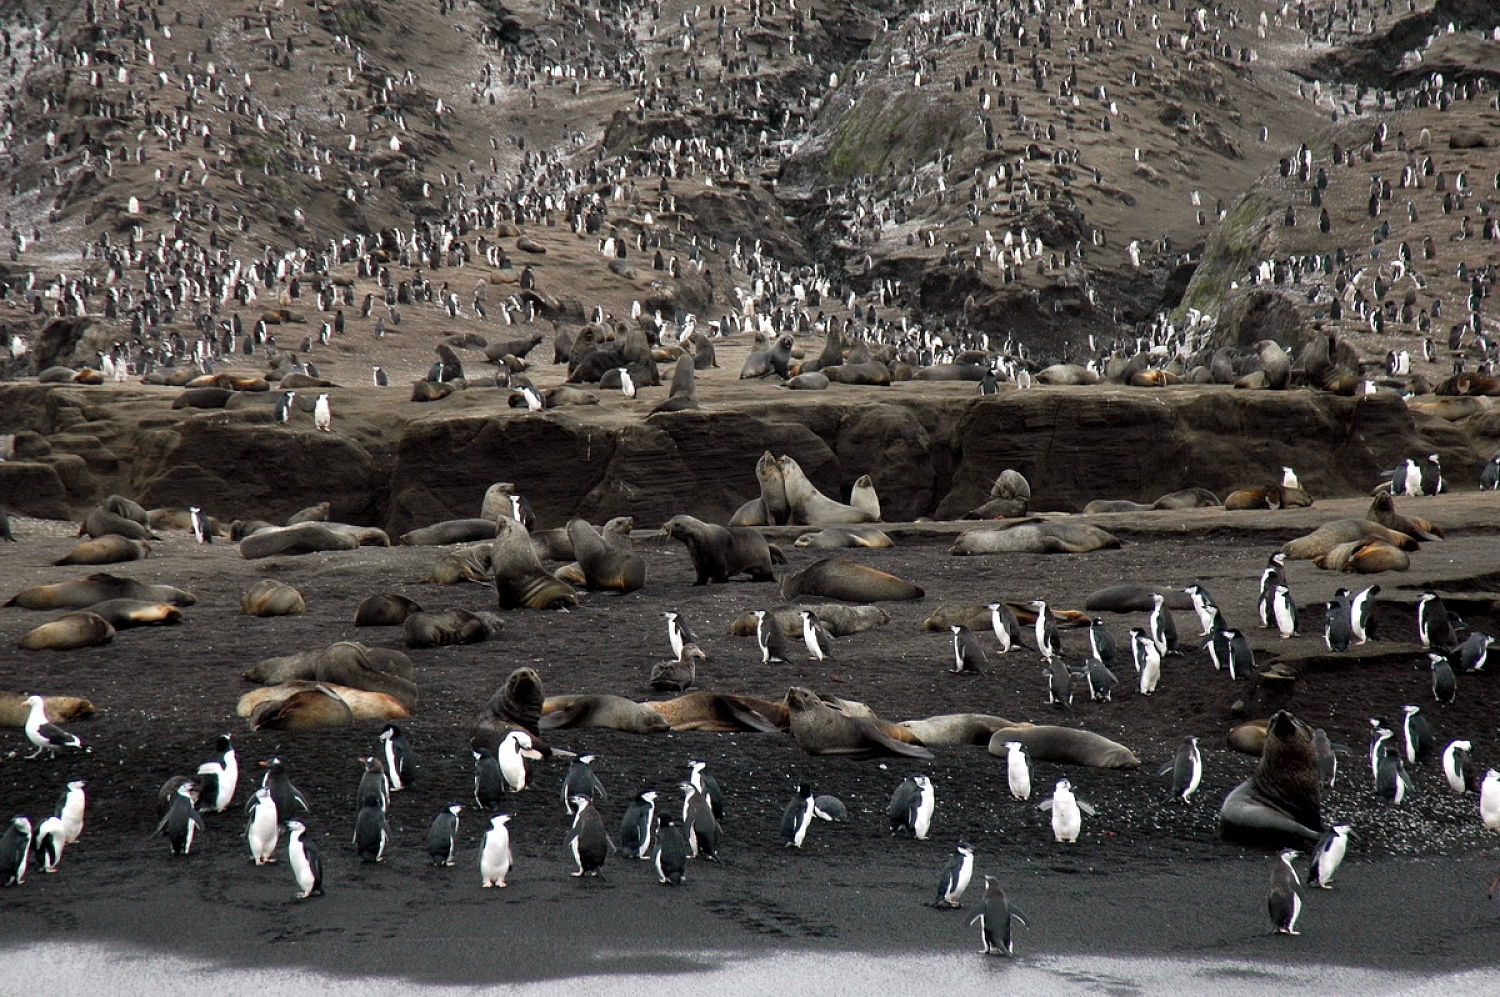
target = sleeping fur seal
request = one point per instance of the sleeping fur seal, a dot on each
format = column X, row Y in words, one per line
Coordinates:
column 1341, row 531
column 270, row 700
column 1365, row 557
column 466, row 564
column 810, row 507
column 1129, row 597
column 837, row 578
column 835, row 537
column 373, row 669
column 385, row 610
column 1099, row 507
column 838, row 620
column 820, row 729
column 126, row 614
column 84, row 592
column 268, row 597
column 612, row 712
column 1066, row 746
column 720, row 552
column 607, row 567
column 69, row 632
column 451, row 531
column 1035, row 536
column 308, row 537
column 724, row 712
column 59, row 709
column 956, row 728
column 1280, row 804
column 520, row 580
column 449, row 627
column 310, row 707
column 108, row 549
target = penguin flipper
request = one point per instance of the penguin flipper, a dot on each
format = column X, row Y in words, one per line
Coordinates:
column 1086, row 807
column 1044, row 805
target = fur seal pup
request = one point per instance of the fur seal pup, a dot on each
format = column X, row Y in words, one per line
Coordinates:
column 449, row 627
column 1280, row 804
column 957, row 728
column 810, row 507
column 1341, row 531
column 516, row 705
column 15, row 709
column 126, row 614
column 268, row 597
column 723, row 712
column 837, row 578
column 771, row 508
column 1383, row 511
column 451, row 531
column 520, row 580
column 606, row 567
column 385, row 610
column 611, row 712
column 84, row 592
column 1034, row 536
column 1010, row 497
column 821, row 729
column 720, row 552
column 308, row 537
column 69, row 632
column 840, row 621
column 362, row 704
column 836, row 537
column 812, row 380
column 311, row 708
column 108, row 549
column 1064, row 745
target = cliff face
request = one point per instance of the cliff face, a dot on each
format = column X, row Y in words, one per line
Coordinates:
column 929, row 456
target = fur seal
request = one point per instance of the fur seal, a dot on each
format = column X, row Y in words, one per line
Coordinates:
column 306, row 537
column 111, row 548
column 448, row 627
column 126, row 614
column 516, row 705
column 957, row 728
column 1065, row 745
column 1066, row 374
column 1280, row 804
column 312, row 514
column 385, row 610
column 979, row 617
column 1129, row 597
column 611, row 712
column 84, row 592
column 346, row 663
column 1267, row 497
column 452, row 531
column 1034, row 536
column 821, row 729
column 14, row 709
column 268, row 597
column 1342, row 531
column 1383, row 511
column 840, row 621
column 180, row 519
column 862, row 496
column 361, row 704
column 723, row 712
column 520, row 580
column 1248, row 738
column 497, row 504
column 466, row 564
column 364, row 536
column 837, row 578
column 771, row 508
column 606, row 566
column 69, row 632
column 720, row 552
column 1099, row 507
column 810, row 507
column 682, row 396
column 835, row 537
column 304, row 707
column 101, row 522
column 812, row 380
column 1010, row 497
column 1366, row 557
column 1188, row 498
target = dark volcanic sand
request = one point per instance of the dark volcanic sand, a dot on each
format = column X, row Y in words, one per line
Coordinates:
column 1145, row 880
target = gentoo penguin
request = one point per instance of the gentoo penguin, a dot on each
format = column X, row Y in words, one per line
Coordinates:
column 994, row 917
column 912, row 805
column 1099, row 679
column 15, row 851
column 1337, row 631
column 374, row 781
column 699, row 823
column 1489, row 478
column 1059, row 683
column 770, row 638
column 1163, row 627
column 47, row 736
column 957, row 872
column 581, row 782
column 219, row 777
column 637, row 825
column 1284, row 612
column 494, row 852
column 1327, row 856
column 798, row 817
column 372, row 832
column 1456, row 766
column 50, row 842
column 306, row 863
column 1285, row 903
column 587, row 841
column 400, row 763
column 1474, row 653
column 323, row 414
column 1205, row 607
column 203, row 530
column 284, row 406
column 183, row 823
column 263, row 829
column 968, row 655
column 1018, row 770
column 678, row 634
column 1362, row 615
column 70, row 808
column 1444, row 684
column 669, row 856
column 1392, row 782
column 1102, row 643
column 1433, row 625
column 1005, row 625
column 816, row 636
column 289, row 800
column 489, row 783
column 1272, row 575
column 1046, row 631
column 1327, row 757
column 1489, row 800
column 703, row 781
column 1067, row 812
column 627, row 384
column 1416, row 734
column 1147, row 656
column 1186, row 769
column 442, row 836
column 511, row 755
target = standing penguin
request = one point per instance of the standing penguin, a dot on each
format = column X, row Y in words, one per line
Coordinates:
column 1209, row 615
column 511, row 756
column 1163, row 627
column 306, row 862
column 769, row 637
column 587, row 841
column 1147, row 655
column 637, row 825
column 15, row 851
column 1241, row 656
column 50, row 842
column 912, row 806
column 1416, row 734
column 581, row 782
column 798, row 817
column 816, row 636
column 1005, row 625
column 400, row 763
column 627, row 384
column 494, row 852
column 1362, row 615
column 1433, row 625
column 289, row 800
column 994, row 918
column 1272, row 575
column 372, row 832
column 957, row 872
column 219, row 776
column 284, row 406
column 1047, row 643
column 1285, row 902
column 1337, row 631
column 968, row 655
column 70, row 808
column 263, row 828
column 669, row 856
column 1100, row 680
column 489, row 782
column 374, row 783
column 699, row 823
column 1474, row 653
column 1327, row 856
column 442, row 836
column 1186, row 769
column 1444, row 684
column 1379, row 734
column 1102, row 643
column 1392, row 782
column 1327, row 757
column 183, row 823
column 203, row 530
column 1284, row 612
column 1456, row 766
column 1018, row 770
column 1067, row 812
column 1489, row 478
column 323, row 414
column 1489, row 800
column 678, row 634
column 1059, row 683
column 703, row 781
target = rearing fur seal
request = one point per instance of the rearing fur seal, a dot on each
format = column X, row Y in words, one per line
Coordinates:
column 520, row 580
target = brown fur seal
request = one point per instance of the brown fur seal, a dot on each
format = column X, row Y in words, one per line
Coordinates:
column 835, row 537
column 724, row 712
column 1034, row 536
column 612, row 712
column 520, row 580
column 385, row 610
column 1341, row 531
column 452, row 531
column 362, row 704
column 466, row 564
column 719, row 552
column 862, row 496
column 496, row 503
column 1099, row 507
column 180, row 519
column 69, row 632
column 1366, row 557
column 14, row 710
column 552, row 545
column 312, row 514
column 1188, row 498
column 373, row 669
column 979, row 618
column 606, row 567
column 1248, row 738
column 1066, row 374
column 956, row 728
column 1280, row 804
column 516, row 705
column 449, row 627
column 303, row 708
column 1383, row 511
column 307, row 537
column 810, row 507
column 837, row 578
column 126, row 614
column 364, row 536
column 771, row 509
column 268, row 597
column 821, row 729
column 84, row 592
column 108, row 549
column 1066, row 746
column 1010, row 497
column 1129, row 597
column 840, row 621
column 101, row 522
